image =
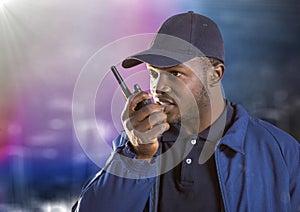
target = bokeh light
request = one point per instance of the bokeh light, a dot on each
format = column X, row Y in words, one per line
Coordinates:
column 45, row 44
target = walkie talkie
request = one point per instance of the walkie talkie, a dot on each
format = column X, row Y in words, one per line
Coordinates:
column 126, row 90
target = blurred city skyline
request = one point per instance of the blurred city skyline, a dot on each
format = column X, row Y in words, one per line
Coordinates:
column 44, row 45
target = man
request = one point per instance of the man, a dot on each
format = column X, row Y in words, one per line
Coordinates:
column 192, row 150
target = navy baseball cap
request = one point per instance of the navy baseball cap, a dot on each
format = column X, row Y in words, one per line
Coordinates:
column 182, row 37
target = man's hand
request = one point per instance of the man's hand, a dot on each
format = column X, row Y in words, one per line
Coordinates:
column 144, row 126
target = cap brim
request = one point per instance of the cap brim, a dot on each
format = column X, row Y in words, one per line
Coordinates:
column 154, row 60
column 158, row 58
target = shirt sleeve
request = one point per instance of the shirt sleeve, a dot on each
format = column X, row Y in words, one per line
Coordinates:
column 290, row 149
column 295, row 182
column 124, row 184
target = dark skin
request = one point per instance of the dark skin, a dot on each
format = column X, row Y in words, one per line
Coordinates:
column 188, row 94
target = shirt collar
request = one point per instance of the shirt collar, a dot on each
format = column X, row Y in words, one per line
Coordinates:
column 235, row 135
column 214, row 132
column 173, row 133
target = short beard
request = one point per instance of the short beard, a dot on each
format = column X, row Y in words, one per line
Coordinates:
column 202, row 101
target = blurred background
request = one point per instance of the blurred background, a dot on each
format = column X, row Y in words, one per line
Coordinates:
column 44, row 46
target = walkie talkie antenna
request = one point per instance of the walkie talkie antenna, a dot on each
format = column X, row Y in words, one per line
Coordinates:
column 121, row 82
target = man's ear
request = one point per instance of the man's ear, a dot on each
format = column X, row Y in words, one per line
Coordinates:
column 216, row 74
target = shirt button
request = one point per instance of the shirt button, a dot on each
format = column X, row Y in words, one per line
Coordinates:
column 193, row 141
column 188, row 160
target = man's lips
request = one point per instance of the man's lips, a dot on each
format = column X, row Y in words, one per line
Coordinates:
column 167, row 103
column 164, row 101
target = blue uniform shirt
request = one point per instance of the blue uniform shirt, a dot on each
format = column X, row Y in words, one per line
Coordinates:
column 191, row 186
column 258, row 169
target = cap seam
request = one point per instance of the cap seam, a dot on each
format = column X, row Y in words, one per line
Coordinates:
column 191, row 31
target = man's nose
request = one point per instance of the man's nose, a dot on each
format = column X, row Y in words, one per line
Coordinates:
column 162, row 84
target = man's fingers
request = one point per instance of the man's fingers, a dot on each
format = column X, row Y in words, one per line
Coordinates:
column 151, row 121
column 151, row 135
column 146, row 110
column 137, row 98
column 138, row 117
column 132, row 102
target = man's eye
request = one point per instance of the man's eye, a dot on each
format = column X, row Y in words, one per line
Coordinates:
column 176, row 73
column 153, row 74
